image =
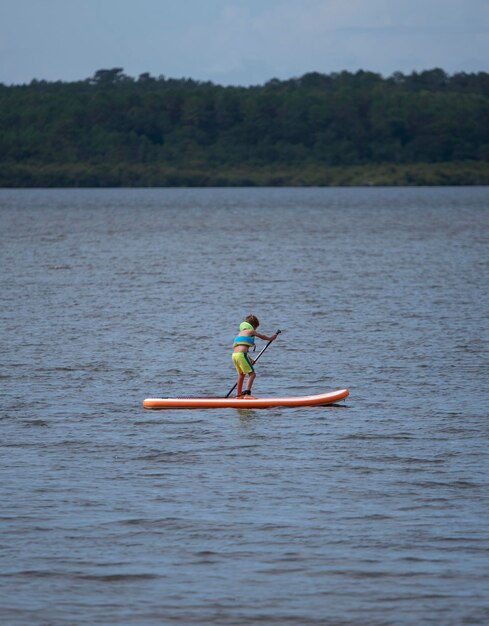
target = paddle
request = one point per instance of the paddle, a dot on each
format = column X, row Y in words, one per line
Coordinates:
column 258, row 356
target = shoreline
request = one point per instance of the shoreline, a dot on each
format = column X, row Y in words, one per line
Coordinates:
column 98, row 175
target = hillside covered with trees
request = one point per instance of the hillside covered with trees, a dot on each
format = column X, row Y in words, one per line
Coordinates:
column 343, row 128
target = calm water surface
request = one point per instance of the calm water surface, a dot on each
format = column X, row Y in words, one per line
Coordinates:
column 372, row 512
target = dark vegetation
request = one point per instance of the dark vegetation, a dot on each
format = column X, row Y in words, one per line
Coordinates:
column 337, row 129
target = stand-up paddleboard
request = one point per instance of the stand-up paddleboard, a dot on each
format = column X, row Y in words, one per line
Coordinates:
column 320, row 399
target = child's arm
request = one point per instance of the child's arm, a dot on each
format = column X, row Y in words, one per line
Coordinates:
column 265, row 337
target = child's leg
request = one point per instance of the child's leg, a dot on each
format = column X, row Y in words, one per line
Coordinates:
column 239, row 387
column 251, row 380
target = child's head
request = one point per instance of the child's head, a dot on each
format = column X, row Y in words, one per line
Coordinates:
column 253, row 320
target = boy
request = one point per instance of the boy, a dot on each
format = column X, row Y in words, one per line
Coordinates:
column 242, row 362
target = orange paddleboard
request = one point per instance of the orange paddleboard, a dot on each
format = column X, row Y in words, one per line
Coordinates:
column 320, row 399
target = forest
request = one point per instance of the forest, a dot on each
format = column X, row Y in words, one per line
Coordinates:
column 112, row 130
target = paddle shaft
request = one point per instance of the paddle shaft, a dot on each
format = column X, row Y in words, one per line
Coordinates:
column 255, row 360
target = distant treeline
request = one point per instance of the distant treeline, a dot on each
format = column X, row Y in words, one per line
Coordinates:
column 342, row 128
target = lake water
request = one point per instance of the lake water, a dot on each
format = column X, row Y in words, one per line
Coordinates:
column 371, row 512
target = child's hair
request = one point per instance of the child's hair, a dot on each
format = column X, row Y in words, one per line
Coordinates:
column 253, row 320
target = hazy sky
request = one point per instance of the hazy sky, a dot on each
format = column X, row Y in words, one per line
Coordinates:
column 239, row 41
